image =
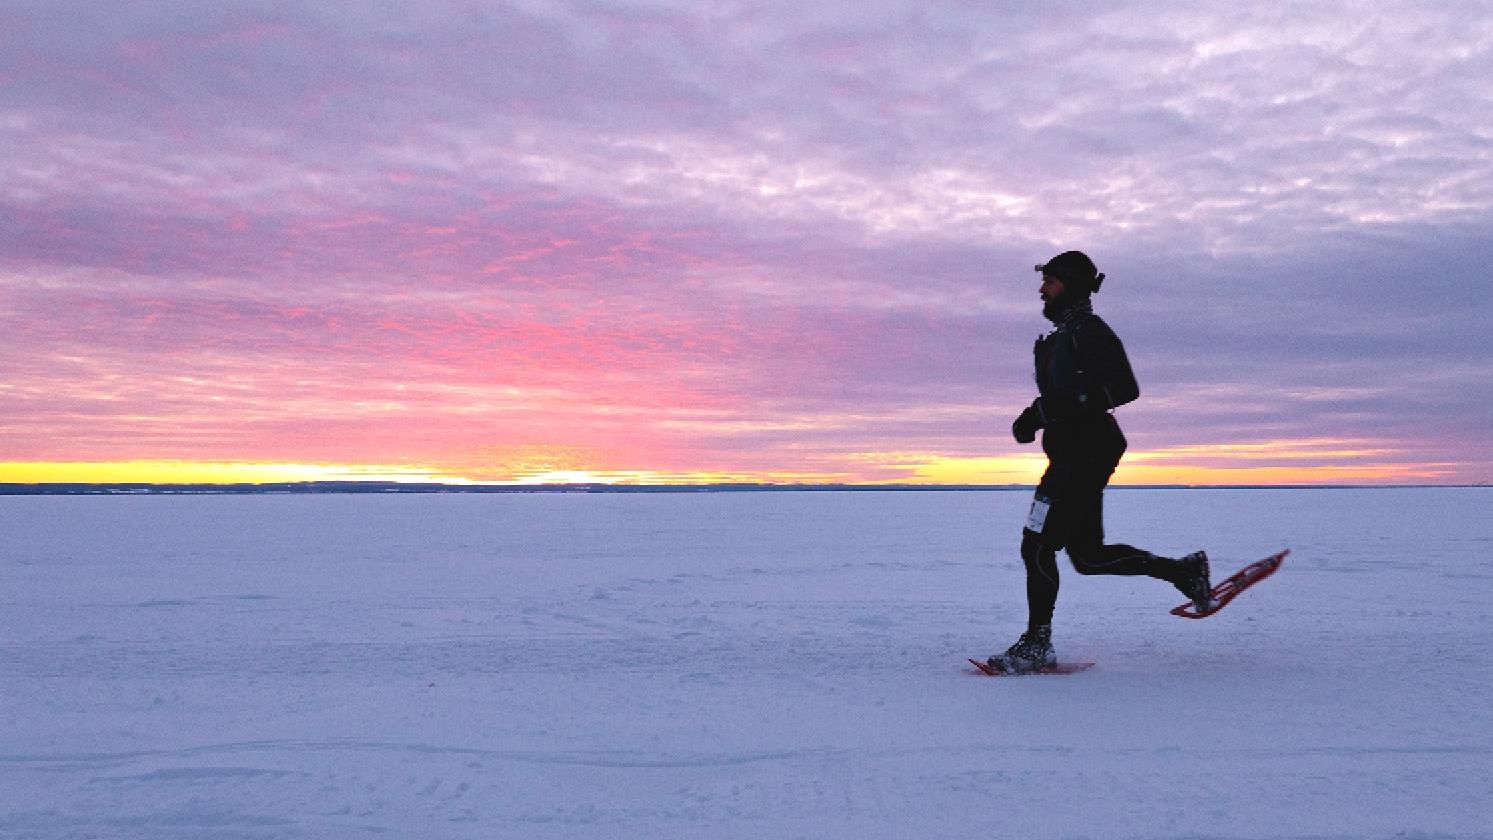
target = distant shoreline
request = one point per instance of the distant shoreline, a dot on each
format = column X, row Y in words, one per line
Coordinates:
column 386, row 487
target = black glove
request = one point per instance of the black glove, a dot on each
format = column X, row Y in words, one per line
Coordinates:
column 1026, row 426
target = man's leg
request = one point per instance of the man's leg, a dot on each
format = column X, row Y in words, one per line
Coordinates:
column 1083, row 523
column 1033, row 651
column 1121, row 559
column 1041, row 540
column 1041, row 579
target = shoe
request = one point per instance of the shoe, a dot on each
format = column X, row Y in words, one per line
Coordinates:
column 1032, row 652
column 1194, row 581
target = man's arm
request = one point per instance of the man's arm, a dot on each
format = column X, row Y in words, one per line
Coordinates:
column 1110, row 381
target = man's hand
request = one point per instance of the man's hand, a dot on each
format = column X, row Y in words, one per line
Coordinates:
column 1026, row 426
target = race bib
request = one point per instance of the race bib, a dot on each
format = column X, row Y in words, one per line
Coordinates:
column 1036, row 518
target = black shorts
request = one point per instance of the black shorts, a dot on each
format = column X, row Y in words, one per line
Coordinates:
column 1068, row 507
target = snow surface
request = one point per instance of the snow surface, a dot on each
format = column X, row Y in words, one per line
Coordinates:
column 734, row 665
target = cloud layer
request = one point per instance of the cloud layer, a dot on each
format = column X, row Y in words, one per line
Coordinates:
column 732, row 240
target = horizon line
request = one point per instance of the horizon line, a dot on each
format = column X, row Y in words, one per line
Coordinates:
column 367, row 487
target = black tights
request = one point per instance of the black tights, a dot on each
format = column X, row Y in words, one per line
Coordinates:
column 1073, row 494
column 1088, row 559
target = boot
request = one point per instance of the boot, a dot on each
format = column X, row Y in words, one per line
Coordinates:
column 1032, row 652
column 1192, row 578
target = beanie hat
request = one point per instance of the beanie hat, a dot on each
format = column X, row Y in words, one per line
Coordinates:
column 1076, row 271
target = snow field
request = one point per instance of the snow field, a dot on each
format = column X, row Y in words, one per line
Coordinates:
column 734, row 665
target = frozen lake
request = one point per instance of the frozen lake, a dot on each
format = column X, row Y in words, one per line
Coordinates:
column 734, row 665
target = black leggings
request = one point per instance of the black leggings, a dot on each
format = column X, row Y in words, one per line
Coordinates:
column 1073, row 496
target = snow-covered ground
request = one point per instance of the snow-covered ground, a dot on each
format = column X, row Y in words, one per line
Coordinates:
column 734, row 665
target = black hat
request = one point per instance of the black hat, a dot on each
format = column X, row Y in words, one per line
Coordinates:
column 1076, row 271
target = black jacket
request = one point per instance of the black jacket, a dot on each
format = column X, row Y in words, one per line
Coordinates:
column 1082, row 373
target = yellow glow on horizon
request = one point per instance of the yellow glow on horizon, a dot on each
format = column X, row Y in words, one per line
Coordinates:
column 1314, row 449
column 1279, row 462
column 235, row 472
column 1299, row 461
column 1303, row 461
column 1025, row 468
column 1277, row 475
column 1029, row 471
column 203, row 472
column 633, row 477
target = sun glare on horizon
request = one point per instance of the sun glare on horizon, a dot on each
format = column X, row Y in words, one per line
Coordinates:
column 1304, row 463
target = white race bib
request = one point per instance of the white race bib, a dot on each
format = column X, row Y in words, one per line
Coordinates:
column 1036, row 518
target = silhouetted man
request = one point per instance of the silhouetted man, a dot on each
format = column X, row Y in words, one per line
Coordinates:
column 1082, row 376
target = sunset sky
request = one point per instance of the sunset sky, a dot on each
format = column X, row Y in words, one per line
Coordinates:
column 727, row 241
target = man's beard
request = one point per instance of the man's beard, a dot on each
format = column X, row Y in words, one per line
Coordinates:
column 1053, row 309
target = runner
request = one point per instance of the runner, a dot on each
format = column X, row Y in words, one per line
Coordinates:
column 1082, row 376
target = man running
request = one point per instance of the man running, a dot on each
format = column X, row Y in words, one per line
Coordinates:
column 1082, row 375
